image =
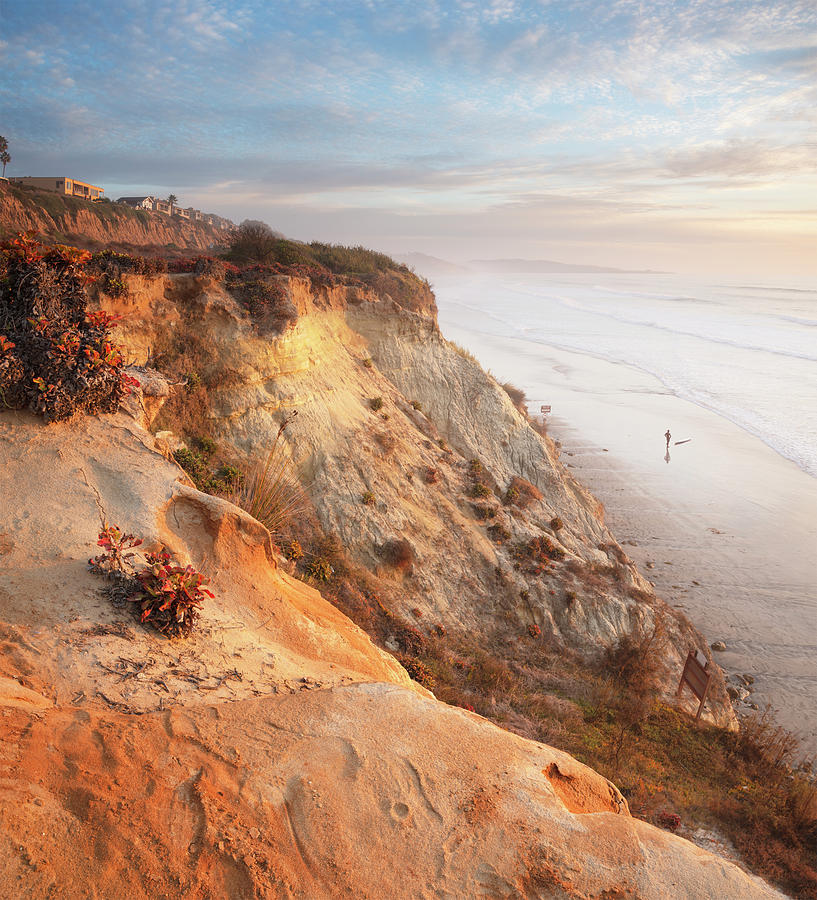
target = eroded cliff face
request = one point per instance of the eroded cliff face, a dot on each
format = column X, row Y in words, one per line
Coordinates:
column 88, row 224
column 276, row 753
column 445, row 432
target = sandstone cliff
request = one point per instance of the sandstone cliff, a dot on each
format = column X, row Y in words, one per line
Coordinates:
column 278, row 753
column 90, row 225
column 440, row 414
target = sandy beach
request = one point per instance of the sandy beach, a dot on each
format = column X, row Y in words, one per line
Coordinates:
column 726, row 529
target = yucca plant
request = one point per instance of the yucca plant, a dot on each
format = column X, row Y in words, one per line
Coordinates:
column 272, row 492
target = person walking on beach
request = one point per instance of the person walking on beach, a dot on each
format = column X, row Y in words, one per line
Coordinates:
column 668, row 436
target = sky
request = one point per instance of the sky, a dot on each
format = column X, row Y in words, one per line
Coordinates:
column 679, row 135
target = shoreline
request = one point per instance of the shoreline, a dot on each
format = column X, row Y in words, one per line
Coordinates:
column 725, row 531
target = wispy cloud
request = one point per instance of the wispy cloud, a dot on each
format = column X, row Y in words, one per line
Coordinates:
column 443, row 105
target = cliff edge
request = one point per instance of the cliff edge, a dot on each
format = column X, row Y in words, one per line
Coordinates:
column 404, row 441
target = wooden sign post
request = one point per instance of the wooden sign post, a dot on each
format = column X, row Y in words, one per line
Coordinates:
column 697, row 678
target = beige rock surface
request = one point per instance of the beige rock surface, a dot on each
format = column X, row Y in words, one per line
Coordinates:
column 363, row 791
column 278, row 752
column 265, row 632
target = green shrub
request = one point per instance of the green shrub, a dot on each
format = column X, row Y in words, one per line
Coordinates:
column 252, row 242
column 319, row 568
column 206, row 445
column 418, row 671
column 498, row 533
column 225, row 480
column 480, row 490
column 376, row 403
column 195, row 464
column 267, row 300
column 368, row 498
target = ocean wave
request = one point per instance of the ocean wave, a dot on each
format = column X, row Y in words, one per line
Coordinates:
column 797, row 320
column 699, row 334
column 798, row 449
column 768, row 287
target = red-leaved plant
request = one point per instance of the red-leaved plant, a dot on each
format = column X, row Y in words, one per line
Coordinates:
column 169, row 596
column 115, row 544
column 669, row 820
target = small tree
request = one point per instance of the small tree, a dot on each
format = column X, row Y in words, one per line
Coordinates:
column 5, row 158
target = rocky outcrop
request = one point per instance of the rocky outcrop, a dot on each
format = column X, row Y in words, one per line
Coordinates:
column 88, row 224
column 265, row 633
column 276, row 752
column 445, row 432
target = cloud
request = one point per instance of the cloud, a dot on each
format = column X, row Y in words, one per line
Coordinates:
column 453, row 106
column 741, row 159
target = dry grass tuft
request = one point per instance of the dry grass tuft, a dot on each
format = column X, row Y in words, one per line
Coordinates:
column 272, row 492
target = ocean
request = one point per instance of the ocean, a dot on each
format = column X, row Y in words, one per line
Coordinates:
column 746, row 352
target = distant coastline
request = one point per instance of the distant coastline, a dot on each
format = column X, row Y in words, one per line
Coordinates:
column 503, row 266
column 433, row 265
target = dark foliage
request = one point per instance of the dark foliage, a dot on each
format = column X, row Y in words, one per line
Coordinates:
column 56, row 358
column 252, row 242
column 207, row 266
column 418, row 670
column 398, row 553
column 110, row 266
column 498, row 533
column 266, row 298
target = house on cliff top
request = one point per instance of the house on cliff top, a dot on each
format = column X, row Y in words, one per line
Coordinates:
column 61, row 185
column 138, row 202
